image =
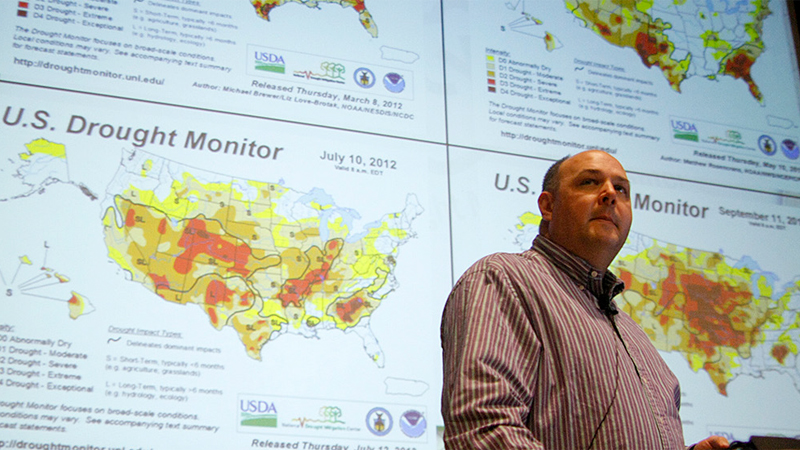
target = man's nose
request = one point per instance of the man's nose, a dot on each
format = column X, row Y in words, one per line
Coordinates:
column 608, row 195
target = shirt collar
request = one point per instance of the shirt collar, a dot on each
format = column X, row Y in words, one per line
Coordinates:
column 603, row 285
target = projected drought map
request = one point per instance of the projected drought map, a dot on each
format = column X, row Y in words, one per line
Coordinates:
column 727, row 317
column 682, row 39
column 258, row 257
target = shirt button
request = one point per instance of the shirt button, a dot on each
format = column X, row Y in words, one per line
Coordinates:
column 594, row 274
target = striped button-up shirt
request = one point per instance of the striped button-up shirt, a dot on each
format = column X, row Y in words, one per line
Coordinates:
column 532, row 361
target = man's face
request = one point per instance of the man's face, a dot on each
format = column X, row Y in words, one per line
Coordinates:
column 590, row 212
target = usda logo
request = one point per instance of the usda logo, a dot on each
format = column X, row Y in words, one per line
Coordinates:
column 270, row 62
column 684, row 130
column 258, row 413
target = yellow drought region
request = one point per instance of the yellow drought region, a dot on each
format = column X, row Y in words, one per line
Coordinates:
column 551, row 42
column 44, row 147
column 528, row 219
column 77, row 305
column 61, row 278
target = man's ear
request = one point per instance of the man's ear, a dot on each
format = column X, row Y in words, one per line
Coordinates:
column 546, row 205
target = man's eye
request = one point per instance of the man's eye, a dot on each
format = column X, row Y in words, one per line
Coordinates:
column 622, row 189
column 587, row 181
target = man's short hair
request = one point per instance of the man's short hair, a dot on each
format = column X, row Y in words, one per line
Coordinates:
column 551, row 180
column 550, row 184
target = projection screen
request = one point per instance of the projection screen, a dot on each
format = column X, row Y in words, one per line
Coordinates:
column 235, row 224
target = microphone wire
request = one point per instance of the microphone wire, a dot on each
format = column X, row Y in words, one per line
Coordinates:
column 610, row 316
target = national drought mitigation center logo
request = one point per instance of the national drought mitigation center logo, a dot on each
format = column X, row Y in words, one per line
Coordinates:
column 258, row 413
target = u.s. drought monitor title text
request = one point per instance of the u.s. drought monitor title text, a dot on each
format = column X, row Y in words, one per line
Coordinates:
column 142, row 137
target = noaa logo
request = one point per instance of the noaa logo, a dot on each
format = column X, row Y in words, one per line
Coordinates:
column 394, row 82
column 379, row 421
column 413, row 423
column 767, row 145
column 684, row 130
column 790, row 149
column 364, row 77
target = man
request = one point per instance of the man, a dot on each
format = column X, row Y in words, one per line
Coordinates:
column 536, row 354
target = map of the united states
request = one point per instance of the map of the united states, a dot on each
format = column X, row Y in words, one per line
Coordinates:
column 265, row 7
column 727, row 317
column 681, row 38
column 259, row 257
